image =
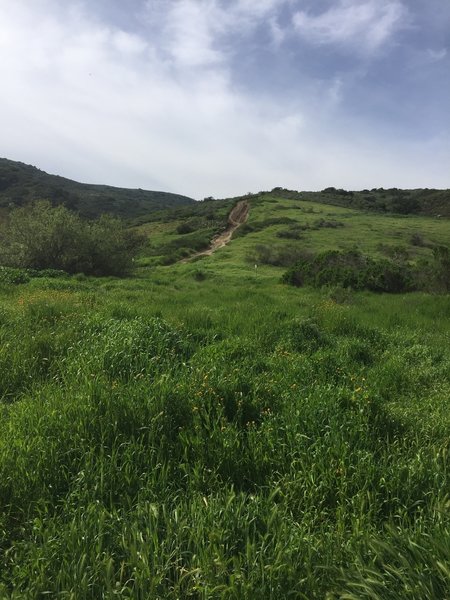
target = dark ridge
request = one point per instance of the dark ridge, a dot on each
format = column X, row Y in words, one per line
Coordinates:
column 21, row 184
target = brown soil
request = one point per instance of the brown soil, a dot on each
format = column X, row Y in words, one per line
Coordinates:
column 237, row 217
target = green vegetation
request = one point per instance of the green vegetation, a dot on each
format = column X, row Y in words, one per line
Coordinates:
column 18, row 275
column 428, row 202
column 177, row 234
column 350, row 269
column 21, row 184
column 39, row 236
column 204, row 431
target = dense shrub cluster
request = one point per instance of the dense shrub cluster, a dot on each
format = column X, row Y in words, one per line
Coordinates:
column 292, row 233
column 188, row 226
column 39, row 236
column 276, row 256
column 351, row 269
column 15, row 276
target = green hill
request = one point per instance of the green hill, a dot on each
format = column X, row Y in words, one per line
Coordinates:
column 427, row 202
column 21, row 183
column 204, row 430
column 283, row 225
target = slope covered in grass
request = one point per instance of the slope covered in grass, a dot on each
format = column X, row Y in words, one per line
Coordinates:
column 203, row 431
column 427, row 202
column 279, row 230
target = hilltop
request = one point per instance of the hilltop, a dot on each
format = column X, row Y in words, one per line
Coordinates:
column 427, row 202
column 21, row 184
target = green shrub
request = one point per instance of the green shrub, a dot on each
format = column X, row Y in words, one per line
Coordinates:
column 293, row 233
column 188, row 226
column 277, row 256
column 350, row 269
column 13, row 276
column 417, row 239
column 324, row 224
column 46, row 238
column 50, row 273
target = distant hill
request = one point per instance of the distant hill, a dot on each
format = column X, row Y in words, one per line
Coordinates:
column 21, row 184
column 426, row 202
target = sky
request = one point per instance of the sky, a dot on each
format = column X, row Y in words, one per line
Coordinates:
column 225, row 97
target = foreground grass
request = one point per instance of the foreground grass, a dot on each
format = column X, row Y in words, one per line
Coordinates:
column 173, row 437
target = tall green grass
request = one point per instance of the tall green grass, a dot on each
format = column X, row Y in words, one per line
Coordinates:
column 203, row 431
column 222, row 438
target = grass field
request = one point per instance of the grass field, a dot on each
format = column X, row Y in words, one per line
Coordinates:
column 203, row 431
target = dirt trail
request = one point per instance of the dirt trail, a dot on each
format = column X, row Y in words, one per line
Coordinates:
column 237, row 217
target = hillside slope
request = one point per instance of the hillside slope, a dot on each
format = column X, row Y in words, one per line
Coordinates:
column 427, row 202
column 282, row 227
column 21, row 183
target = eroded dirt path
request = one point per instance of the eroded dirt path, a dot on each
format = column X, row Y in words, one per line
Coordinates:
column 237, row 217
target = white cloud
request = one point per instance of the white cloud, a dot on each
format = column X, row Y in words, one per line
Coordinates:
column 96, row 103
column 364, row 25
column 191, row 31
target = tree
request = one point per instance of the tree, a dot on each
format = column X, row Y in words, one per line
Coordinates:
column 112, row 247
column 40, row 236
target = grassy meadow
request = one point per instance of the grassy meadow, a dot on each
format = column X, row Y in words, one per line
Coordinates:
column 201, row 430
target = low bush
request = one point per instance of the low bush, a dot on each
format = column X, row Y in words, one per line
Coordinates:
column 16, row 276
column 13, row 276
column 277, row 256
column 188, row 226
column 417, row 239
column 351, row 269
column 293, row 233
column 323, row 223
column 50, row 273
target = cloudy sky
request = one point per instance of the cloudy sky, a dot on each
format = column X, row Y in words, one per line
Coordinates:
column 225, row 97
